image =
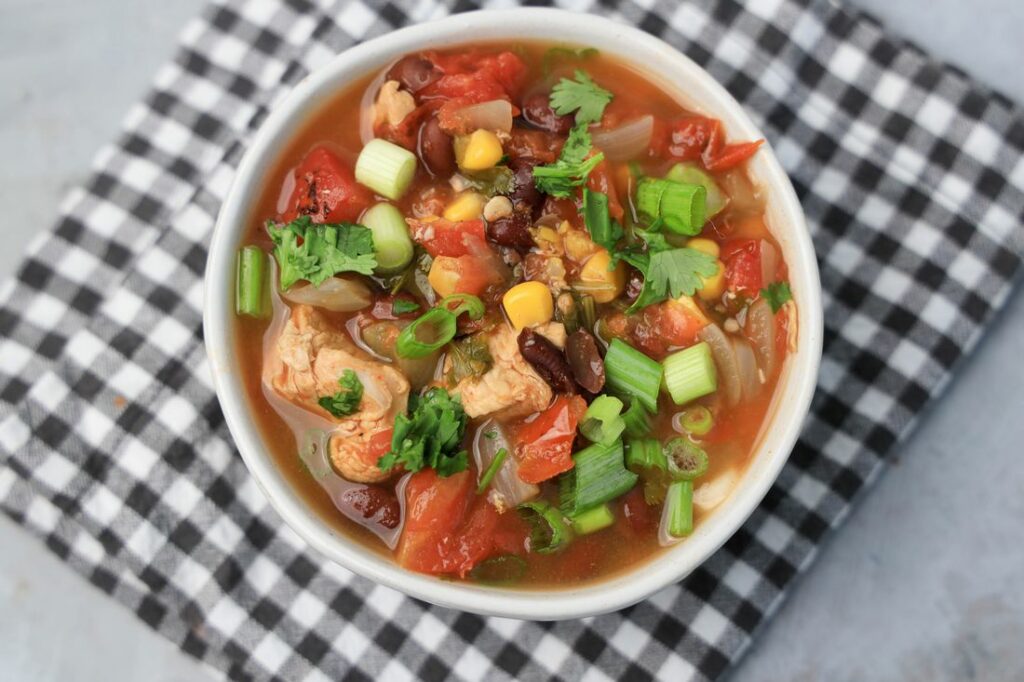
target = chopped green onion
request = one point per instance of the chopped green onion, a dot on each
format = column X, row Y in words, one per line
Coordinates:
column 680, row 206
column 492, row 469
column 567, row 312
column 588, row 312
column 632, row 374
column 690, row 373
column 677, row 517
column 603, row 230
column 690, row 174
column 385, row 168
column 602, row 422
column 251, row 282
column 593, row 520
column 638, row 421
column 437, row 323
column 598, row 475
column 697, row 420
column 686, row 460
column 391, row 242
column 645, row 458
column 457, row 304
column 500, row 570
column 548, row 530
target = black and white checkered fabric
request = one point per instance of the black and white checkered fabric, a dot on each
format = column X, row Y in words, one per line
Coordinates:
column 114, row 452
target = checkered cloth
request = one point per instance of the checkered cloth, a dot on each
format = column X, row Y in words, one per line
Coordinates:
column 114, row 452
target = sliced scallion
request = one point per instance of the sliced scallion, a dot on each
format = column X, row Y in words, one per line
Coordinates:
column 598, row 475
column 251, row 282
column 677, row 517
column 391, row 242
column 492, row 470
column 385, row 168
column 588, row 312
column 499, row 570
column 638, row 421
column 427, row 333
column 645, row 458
column 690, row 373
column 682, row 208
column 690, row 174
column 593, row 520
column 602, row 422
column 548, row 530
column 686, row 460
column 457, row 304
column 697, row 420
column 632, row 374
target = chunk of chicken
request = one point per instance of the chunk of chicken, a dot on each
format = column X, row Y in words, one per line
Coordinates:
column 305, row 363
column 511, row 387
column 393, row 104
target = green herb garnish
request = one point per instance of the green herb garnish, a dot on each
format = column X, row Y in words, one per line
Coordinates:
column 429, row 436
column 324, row 251
column 583, row 96
column 401, row 306
column 777, row 293
column 346, row 401
column 572, row 167
column 672, row 273
column 603, row 230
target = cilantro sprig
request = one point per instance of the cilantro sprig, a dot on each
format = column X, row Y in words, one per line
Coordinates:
column 777, row 293
column 560, row 178
column 307, row 251
column 430, row 435
column 668, row 273
column 582, row 95
column 345, row 401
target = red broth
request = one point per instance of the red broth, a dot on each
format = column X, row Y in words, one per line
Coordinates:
column 498, row 542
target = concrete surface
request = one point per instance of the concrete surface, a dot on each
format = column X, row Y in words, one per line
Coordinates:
column 925, row 582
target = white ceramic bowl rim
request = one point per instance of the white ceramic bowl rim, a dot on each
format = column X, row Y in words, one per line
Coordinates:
column 653, row 57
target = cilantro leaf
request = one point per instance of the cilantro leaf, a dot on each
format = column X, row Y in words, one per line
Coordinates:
column 777, row 293
column 401, row 306
column 324, row 251
column 346, row 401
column 572, row 167
column 429, row 436
column 603, row 230
column 672, row 273
column 583, row 96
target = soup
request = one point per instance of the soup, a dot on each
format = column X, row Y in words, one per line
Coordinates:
column 509, row 314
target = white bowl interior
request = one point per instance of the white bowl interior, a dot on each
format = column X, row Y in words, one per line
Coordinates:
column 696, row 90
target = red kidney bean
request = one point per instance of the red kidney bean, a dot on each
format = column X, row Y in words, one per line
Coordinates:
column 634, row 283
column 537, row 112
column 585, row 361
column 374, row 504
column 512, row 231
column 435, row 149
column 413, row 73
column 549, row 362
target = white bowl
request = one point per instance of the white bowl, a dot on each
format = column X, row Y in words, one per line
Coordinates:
column 697, row 91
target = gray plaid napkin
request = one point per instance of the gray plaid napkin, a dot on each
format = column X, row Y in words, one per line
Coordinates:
column 114, row 452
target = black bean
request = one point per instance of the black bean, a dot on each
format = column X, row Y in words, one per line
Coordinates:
column 634, row 283
column 512, row 231
column 435, row 149
column 525, row 193
column 413, row 73
column 537, row 112
column 547, row 360
column 585, row 361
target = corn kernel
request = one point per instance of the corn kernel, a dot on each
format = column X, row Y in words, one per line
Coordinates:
column 713, row 287
column 579, row 246
column 597, row 280
column 692, row 309
column 528, row 304
column 704, row 245
column 480, row 151
column 444, row 275
column 466, row 206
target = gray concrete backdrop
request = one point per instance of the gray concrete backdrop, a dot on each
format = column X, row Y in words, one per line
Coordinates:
column 926, row 580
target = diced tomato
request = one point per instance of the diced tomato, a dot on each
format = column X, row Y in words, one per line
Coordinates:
column 445, row 238
column 380, row 444
column 700, row 138
column 448, row 529
column 600, row 180
column 666, row 326
column 742, row 258
column 731, row 155
column 462, row 275
column 544, row 443
column 406, row 133
column 689, row 136
column 638, row 513
column 533, row 144
column 326, row 190
column 470, row 78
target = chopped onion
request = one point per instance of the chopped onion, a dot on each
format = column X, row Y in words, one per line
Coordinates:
column 725, row 360
column 746, row 364
column 626, row 142
column 760, row 330
column 769, row 262
column 337, row 293
column 495, row 115
column 368, row 108
column 710, row 494
column 507, row 489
